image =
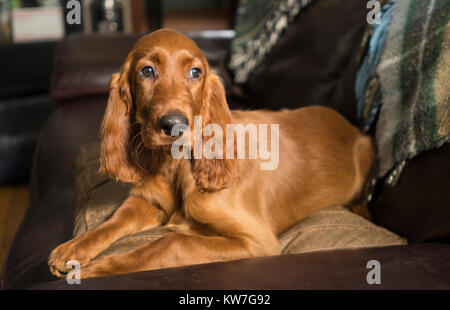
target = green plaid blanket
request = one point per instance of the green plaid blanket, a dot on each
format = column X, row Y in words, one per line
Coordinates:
column 413, row 80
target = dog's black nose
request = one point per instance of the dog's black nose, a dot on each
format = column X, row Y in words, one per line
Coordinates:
column 168, row 121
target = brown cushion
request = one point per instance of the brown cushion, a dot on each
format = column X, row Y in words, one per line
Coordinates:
column 314, row 62
column 418, row 206
column 97, row 197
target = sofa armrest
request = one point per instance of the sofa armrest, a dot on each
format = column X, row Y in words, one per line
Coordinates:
column 83, row 64
column 421, row 266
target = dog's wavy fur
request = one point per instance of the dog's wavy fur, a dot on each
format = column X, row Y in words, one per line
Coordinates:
column 218, row 209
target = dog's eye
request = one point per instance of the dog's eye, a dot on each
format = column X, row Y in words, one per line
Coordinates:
column 148, row 72
column 195, row 73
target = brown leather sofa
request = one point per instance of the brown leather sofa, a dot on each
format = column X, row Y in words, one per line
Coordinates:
column 322, row 53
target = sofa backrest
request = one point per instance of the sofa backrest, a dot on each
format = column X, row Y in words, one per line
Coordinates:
column 83, row 64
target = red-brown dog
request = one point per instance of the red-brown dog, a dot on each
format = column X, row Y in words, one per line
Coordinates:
column 217, row 209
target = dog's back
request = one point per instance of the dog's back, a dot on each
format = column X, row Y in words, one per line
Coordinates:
column 323, row 161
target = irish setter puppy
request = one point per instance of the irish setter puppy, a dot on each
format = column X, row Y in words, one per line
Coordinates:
column 217, row 209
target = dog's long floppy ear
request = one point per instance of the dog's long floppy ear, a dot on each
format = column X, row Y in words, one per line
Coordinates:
column 115, row 131
column 214, row 174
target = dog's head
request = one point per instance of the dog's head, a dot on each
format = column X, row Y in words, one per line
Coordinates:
column 165, row 81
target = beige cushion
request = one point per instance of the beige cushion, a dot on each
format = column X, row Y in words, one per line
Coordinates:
column 335, row 228
column 97, row 197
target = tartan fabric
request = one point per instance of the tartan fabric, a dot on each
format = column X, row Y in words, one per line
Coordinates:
column 259, row 25
column 411, row 84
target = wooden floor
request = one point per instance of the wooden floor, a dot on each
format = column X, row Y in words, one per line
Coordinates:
column 14, row 201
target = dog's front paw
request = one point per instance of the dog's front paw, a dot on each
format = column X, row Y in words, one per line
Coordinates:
column 71, row 250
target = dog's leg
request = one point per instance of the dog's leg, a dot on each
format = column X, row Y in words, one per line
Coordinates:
column 179, row 250
column 134, row 215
